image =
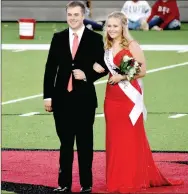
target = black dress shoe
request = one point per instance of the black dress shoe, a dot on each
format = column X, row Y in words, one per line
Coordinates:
column 85, row 190
column 62, row 190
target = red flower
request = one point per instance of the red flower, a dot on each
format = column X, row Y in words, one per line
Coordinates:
column 132, row 62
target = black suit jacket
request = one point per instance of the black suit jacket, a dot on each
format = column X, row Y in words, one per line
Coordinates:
column 60, row 64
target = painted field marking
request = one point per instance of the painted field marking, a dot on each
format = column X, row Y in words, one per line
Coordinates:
column 183, row 51
column 99, row 115
column 99, row 82
column 152, row 70
column 147, row 47
column 18, row 50
column 177, row 116
column 21, row 99
column 29, row 114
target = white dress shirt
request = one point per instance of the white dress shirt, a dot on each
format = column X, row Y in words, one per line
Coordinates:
column 71, row 38
column 71, row 35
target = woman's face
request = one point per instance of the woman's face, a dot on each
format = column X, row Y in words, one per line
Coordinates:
column 114, row 28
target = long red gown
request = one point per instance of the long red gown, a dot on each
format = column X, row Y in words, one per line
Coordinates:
column 129, row 163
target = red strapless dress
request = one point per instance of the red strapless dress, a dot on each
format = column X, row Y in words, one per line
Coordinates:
column 129, row 163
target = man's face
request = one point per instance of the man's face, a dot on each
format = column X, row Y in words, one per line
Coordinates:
column 75, row 17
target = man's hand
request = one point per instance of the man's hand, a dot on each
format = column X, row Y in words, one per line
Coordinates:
column 79, row 74
column 98, row 68
column 48, row 105
column 116, row 79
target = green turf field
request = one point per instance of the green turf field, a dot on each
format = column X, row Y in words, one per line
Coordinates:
column 166, row 92
column 44, row 32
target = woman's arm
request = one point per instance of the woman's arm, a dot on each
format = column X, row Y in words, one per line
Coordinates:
column 138, row 55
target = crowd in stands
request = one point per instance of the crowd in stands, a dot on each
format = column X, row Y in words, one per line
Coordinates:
column 163, row 15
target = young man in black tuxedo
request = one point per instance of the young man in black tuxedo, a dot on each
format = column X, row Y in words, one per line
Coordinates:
column 69, row 93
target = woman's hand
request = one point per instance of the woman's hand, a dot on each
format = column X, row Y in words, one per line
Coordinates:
column 98, row 68
column 116, row 79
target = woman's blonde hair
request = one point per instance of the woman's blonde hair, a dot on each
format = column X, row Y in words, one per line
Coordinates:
column 125, row 34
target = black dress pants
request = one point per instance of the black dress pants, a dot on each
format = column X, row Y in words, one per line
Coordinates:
column 75, row 122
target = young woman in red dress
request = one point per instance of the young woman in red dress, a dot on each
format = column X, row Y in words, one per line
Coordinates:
column 129, row 163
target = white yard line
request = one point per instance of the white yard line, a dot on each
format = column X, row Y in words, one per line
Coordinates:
column 47, row 46
column 21, row 99
column 167, row 67
column 183, row 51
column 153, row 70
column 99, row 115
column 177, row 116
column 27, row 46
column 99, row 82
column 170, row 117
column 18, row 50
column 29, row 114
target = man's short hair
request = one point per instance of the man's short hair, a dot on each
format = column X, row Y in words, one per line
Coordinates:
column 77, row 4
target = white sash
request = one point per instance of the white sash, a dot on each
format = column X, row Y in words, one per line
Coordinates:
column 133, row 94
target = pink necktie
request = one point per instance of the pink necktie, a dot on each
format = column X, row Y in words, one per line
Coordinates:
column 74, row 49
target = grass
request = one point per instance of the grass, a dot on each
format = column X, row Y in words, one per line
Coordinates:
column 165, row 93
column 162, row 89
column 44, row 32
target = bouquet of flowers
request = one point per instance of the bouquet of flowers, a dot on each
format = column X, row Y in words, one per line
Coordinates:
column 129, row 66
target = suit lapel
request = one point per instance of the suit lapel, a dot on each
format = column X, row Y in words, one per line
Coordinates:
column 67, row 43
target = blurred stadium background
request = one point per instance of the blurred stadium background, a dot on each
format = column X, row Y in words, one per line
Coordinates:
column 27, row 130
column 55, row 10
